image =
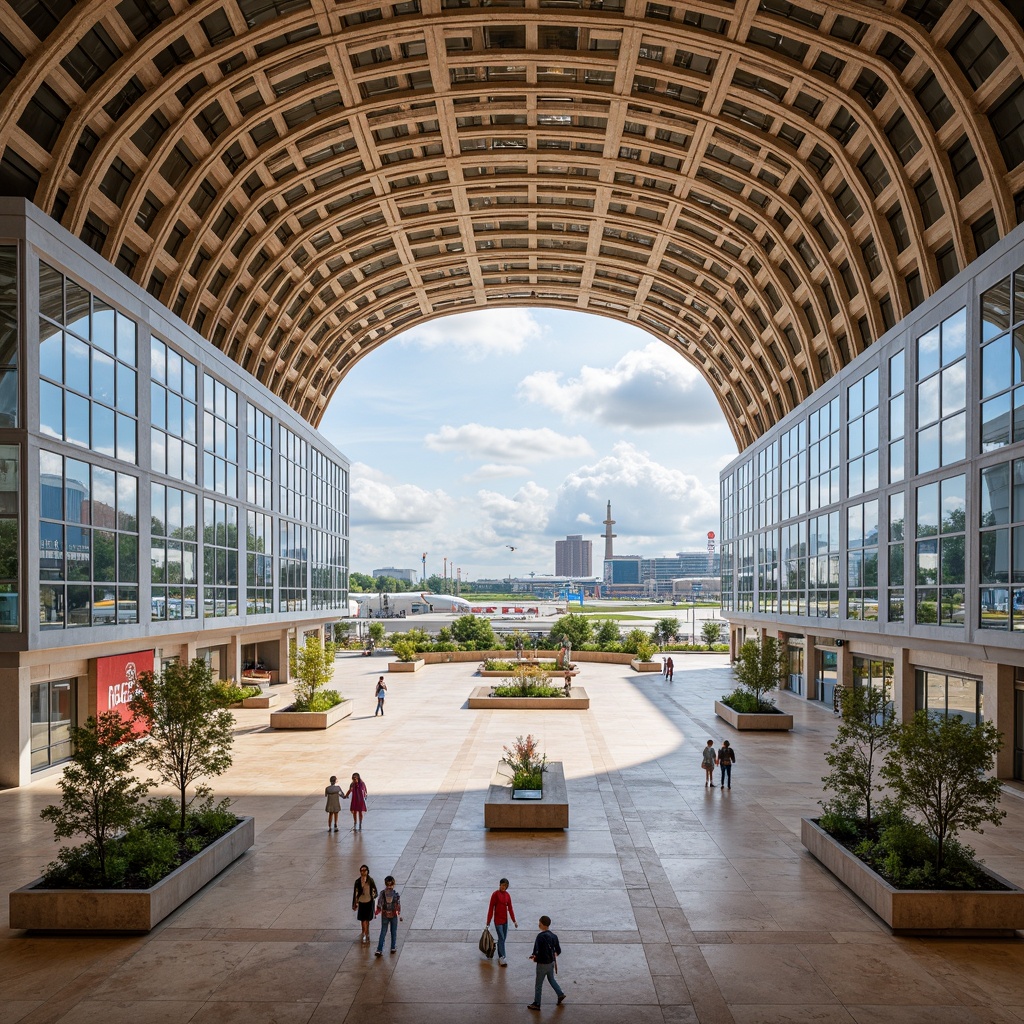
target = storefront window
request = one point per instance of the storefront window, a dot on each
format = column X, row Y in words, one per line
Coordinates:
column 944, row 695
column 51, row 718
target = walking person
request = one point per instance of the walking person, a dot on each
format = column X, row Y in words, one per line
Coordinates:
column 726, row 759
column 500, row 909
column 380, row 692
column 364, row 895
column 546, row 952
column 333, row 794
column 669, row 669
column 389, row 907
column 357, row 803
column 708, row 762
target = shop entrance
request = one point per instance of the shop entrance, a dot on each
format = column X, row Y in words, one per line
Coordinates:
column 826, row 677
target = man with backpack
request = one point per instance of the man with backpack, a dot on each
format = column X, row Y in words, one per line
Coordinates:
column 380, row 692
column 389, row 907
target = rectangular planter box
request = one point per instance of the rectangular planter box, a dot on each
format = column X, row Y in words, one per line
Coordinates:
column 510, row 673
column 550, row 812
column 918, row 911
column 646, row 666
column 127, row 910
column 310, row 719
column 744, row 720
column 579, row 701
column 261, row 700
column 406, row 666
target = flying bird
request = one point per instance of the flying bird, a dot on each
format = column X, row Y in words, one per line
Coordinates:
column 509, row 546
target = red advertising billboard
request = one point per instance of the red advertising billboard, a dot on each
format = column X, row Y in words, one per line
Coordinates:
column 116, row 680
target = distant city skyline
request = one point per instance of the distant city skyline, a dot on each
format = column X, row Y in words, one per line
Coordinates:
column 483, row 437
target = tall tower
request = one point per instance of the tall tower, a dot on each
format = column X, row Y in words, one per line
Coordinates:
column 608, row 535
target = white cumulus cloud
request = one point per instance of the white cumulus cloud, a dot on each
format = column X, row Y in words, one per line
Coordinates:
column 649, row 501
column 377, row 501
column 478, row 334
column 512, row 445
column 647, row 388
column 496, row 471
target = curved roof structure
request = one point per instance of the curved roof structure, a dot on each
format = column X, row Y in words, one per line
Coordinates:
column 765, row 186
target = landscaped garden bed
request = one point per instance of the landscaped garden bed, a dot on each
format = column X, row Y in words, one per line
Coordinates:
column 760, row 667
column 578, row 699
column 897, row 847
column 527, row 791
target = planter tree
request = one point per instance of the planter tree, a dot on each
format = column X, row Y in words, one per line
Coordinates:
column 312, row 665
column 100, row 796
column 865, row 735
column 941, row 770
column 665, row 631
column 710, row 633
column 760, row 669
column 405, row 650
column 572, row 627
column 608, row 636
column 190, row 733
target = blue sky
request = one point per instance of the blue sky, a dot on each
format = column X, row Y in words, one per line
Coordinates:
column 514, row 427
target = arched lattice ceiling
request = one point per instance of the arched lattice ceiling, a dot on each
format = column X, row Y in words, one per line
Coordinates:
column 765, row 186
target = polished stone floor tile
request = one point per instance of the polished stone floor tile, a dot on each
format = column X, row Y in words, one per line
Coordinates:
column 675, row 904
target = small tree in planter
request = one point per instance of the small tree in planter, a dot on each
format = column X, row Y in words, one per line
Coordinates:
column 710, row 633
column 100, row 796
column 377, row 633
column 313, row 666
column 405, row 650
column 759, row 671
column 646, row 649
column 940, row 769
column 190, row 732
column 526, row 762
column 865, row 735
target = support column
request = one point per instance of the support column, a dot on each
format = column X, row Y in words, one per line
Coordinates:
column 284, row 671
column 234, row 665
column 15, row 752
column 844, row 667
column 904, row 686
column 997, row 689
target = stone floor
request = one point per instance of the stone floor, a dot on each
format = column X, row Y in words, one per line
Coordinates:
column 673, row 903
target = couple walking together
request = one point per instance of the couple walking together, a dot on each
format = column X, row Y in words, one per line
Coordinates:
column 368, row 904
column 725, row 758
column 546, row 948
column 356, row 791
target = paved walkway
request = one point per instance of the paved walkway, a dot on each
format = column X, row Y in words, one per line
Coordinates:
column 673, row 903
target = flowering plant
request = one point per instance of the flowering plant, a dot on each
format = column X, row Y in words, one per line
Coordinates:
column 526, row 762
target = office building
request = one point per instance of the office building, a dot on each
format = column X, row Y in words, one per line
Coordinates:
column 156, row 502
column 574, row 556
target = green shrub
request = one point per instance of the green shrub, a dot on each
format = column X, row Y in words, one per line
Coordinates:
column 531, row 690
column 322, row 700
column 227, row 692
column 746, row 703
column 404, row 650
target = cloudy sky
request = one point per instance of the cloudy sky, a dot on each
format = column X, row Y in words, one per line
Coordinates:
column 514, row 427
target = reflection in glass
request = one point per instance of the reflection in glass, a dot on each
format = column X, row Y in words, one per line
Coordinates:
column 76, row 427
column 51, row 410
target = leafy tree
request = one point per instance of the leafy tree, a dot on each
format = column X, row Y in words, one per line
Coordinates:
column 435, row 584
column 404, row 650
column 190, row 733
column 607, row 635
column 646, row 649
column 359, row 582
column 665, row 631
column 864, row 737
column 940, row 768
column 468, row 629
column 632, row 641
column 572, row 627
column 386, row 584
column 761, row 668
column 312, row 664
column 710, row 633
column 377, row 632
column 100, row 795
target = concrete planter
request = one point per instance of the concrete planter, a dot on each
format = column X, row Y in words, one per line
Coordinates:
column 266, row 699
column 578, row 700
column 127, row 910
column 510, row 673
column 647, row 666
column 406, row 666
column 550, row 812
column 918, row 911
column 760, row 721
column 288, row 719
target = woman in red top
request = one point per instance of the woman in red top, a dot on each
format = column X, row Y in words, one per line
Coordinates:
column 501, row 910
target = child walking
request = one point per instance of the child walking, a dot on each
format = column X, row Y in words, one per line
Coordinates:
column 708, row 762
column 333, row 794
column 389, row 907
